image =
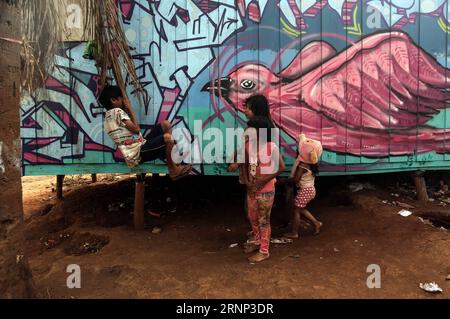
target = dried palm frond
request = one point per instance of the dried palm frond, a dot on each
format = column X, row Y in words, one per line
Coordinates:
column 43, row 28
column 103, row 25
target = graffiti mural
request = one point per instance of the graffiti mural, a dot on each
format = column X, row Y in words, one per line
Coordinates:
column 304, row 97
column 362, row 76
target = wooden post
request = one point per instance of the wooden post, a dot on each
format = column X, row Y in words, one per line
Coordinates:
column 139, row 223
column 59, row 186
column 94, row 178
column 421, row 187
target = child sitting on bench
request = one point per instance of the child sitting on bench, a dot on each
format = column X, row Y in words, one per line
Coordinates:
column 123, row 128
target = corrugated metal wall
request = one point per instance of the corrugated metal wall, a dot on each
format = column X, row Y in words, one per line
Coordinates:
column 367, row 78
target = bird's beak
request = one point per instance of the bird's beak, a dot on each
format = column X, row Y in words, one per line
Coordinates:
column 220, row 87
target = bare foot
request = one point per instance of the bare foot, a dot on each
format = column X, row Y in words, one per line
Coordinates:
column 258, row 257
column 250, row 248
column 180, row 172
column 318, row 226
column 291, row 235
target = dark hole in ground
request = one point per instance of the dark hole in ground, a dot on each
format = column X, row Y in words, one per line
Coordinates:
column 439, row 223
column 438, row 219
column 54, row 240
column 46, row 209
column 74, row 243
column 86, row 243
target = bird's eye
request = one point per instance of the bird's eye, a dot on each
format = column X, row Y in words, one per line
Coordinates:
column 248, row 84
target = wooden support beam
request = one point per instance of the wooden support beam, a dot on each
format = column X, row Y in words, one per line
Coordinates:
column 59, row 186
column 421, row 187
column 139, row 223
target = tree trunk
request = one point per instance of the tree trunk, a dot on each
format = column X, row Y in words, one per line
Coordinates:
column 15, row 275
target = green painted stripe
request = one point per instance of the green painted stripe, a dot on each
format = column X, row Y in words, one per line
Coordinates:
column 221, row 170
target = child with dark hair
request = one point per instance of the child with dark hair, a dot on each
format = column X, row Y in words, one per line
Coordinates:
column 123, row 128
column 258, row 105
column 255, row 106
column 263, row 163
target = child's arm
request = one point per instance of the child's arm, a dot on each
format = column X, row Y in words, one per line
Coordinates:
column 132, row 127
column 235, row 165
column 293, row 180
column 131, row 124
column 298, row 174
column 243, row 173
column 263, row 180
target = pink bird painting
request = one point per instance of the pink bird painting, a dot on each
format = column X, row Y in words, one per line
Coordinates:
column 373, row 99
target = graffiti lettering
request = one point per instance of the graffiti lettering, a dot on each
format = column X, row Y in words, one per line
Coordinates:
column 186, row 33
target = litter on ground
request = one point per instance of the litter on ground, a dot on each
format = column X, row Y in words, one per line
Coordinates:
column 425, row 221
column 405, row 213
column 431, row 287
column 281, row 241
column 156, row 230
column 356, row 187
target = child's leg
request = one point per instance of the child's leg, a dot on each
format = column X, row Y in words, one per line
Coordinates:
column 311, row 217
column 166, row 127
column 294, row 234
column 295, row 222
column 265, row 203
column 160, row 144
column 250, row 233
column 306, row 196
column 159, row 130
column 174, row 170
column 170, row 143
column 252, row 213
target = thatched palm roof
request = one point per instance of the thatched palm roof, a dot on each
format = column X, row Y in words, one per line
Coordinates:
column 42, row 30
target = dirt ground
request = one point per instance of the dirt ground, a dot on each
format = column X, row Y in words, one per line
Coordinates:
column 185, row 253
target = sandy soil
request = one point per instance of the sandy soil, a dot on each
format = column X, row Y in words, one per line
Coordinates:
column 191, row 258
